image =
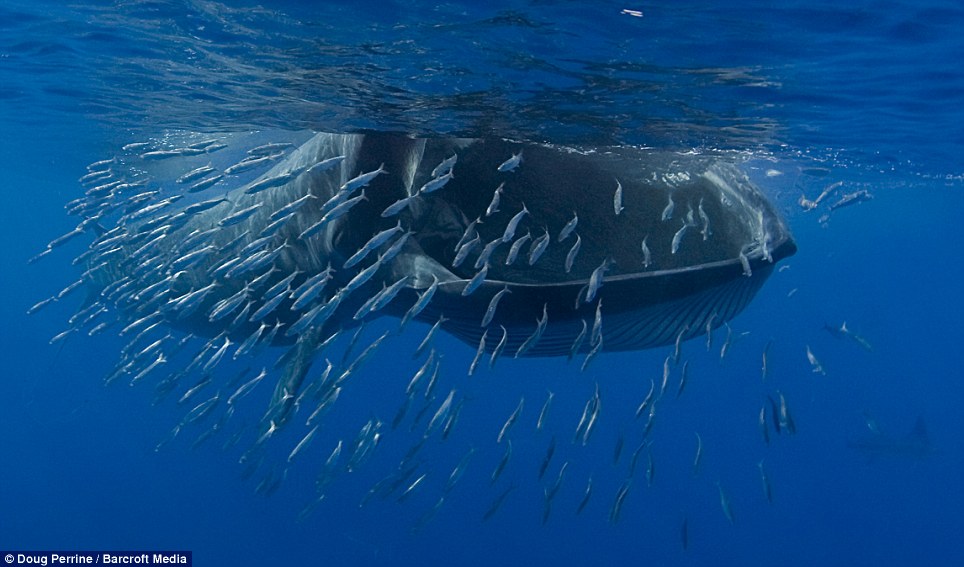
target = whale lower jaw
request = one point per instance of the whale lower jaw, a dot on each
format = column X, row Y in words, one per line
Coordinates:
column 636, row 313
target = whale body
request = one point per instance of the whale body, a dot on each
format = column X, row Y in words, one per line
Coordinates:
column 727, row 239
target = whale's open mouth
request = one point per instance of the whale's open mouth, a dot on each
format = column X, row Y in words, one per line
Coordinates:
column 723, row 214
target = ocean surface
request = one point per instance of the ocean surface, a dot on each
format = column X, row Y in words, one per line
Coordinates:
column 867, row 94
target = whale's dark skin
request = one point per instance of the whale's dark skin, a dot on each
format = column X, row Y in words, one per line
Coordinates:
column 703, row 284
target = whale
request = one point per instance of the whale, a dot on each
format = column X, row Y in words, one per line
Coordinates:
column 675, row 290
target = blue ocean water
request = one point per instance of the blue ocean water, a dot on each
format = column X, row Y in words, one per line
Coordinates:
column 868, row 94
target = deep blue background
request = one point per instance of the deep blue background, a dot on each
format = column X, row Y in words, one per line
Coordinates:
column 872, row 92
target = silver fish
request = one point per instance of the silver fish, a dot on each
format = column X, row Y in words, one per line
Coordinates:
column 511, row 421
column 678, row 238
column 440, row 414
column 745, row 262
column 815, row 365
column 251, row 163
column 668, row 211
column 267, row 149
column 247, row 387
column 494, row 204
column 395, row 248
column 596, row 280
column 585, row 497
column 373, row 243
column 195, row 174
column 571, row 255
column 239, row 216
column 503, row 462
column 593, row 352
column 478, row 353
column 577, row 342
column 511, row 163
column 725, row 503
column 467, row 235
column 514, row 224
column 705, row 231
column 544, row 412
column 682, row 379
column 476, row 281
column 274, row 181
column 398, row 206
column 420, row 374
column 436, row 183
column 204, row 205
column 538, row 247
column 303, row 443
column 421, row 302
column 536, row 335
column 647, row 254
column 486, row 253
column 463, row 252
column 205, row 183
column 570, row 226
column 617, row 507
column 385, row 296
column 445, row 166
column 767, row 491
column 618, row 198
column 699, row 454
column 596, row 334
column 325, row 165
column 161, row 154
column 458, row 471
column 361, row 180
column 493, row 304
column 497, row 351
column 428, row 337
column 647, row 400
column 361, row 278
column 516, row 248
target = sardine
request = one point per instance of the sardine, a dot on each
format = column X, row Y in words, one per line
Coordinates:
column 617, row 507
column 678, row 238
column 568, row 228
column 767, row 491
column 497, row 351
column 618, row 198
column 511, row 420
column 647, row 254
column 725, row 503
column 325, row 165
column 544, row 412
column 494, row 204
column 493, row 304
column 668, row 211
column 361, row 180
column 476, row 281
column 478, row 353
column 445, row 166
column 596, row 280
column 514, row 224
column 516, row 248
column 511, row 163
column 538, row 247
column 435, row 184
column 503, row 462
column 239, row 216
